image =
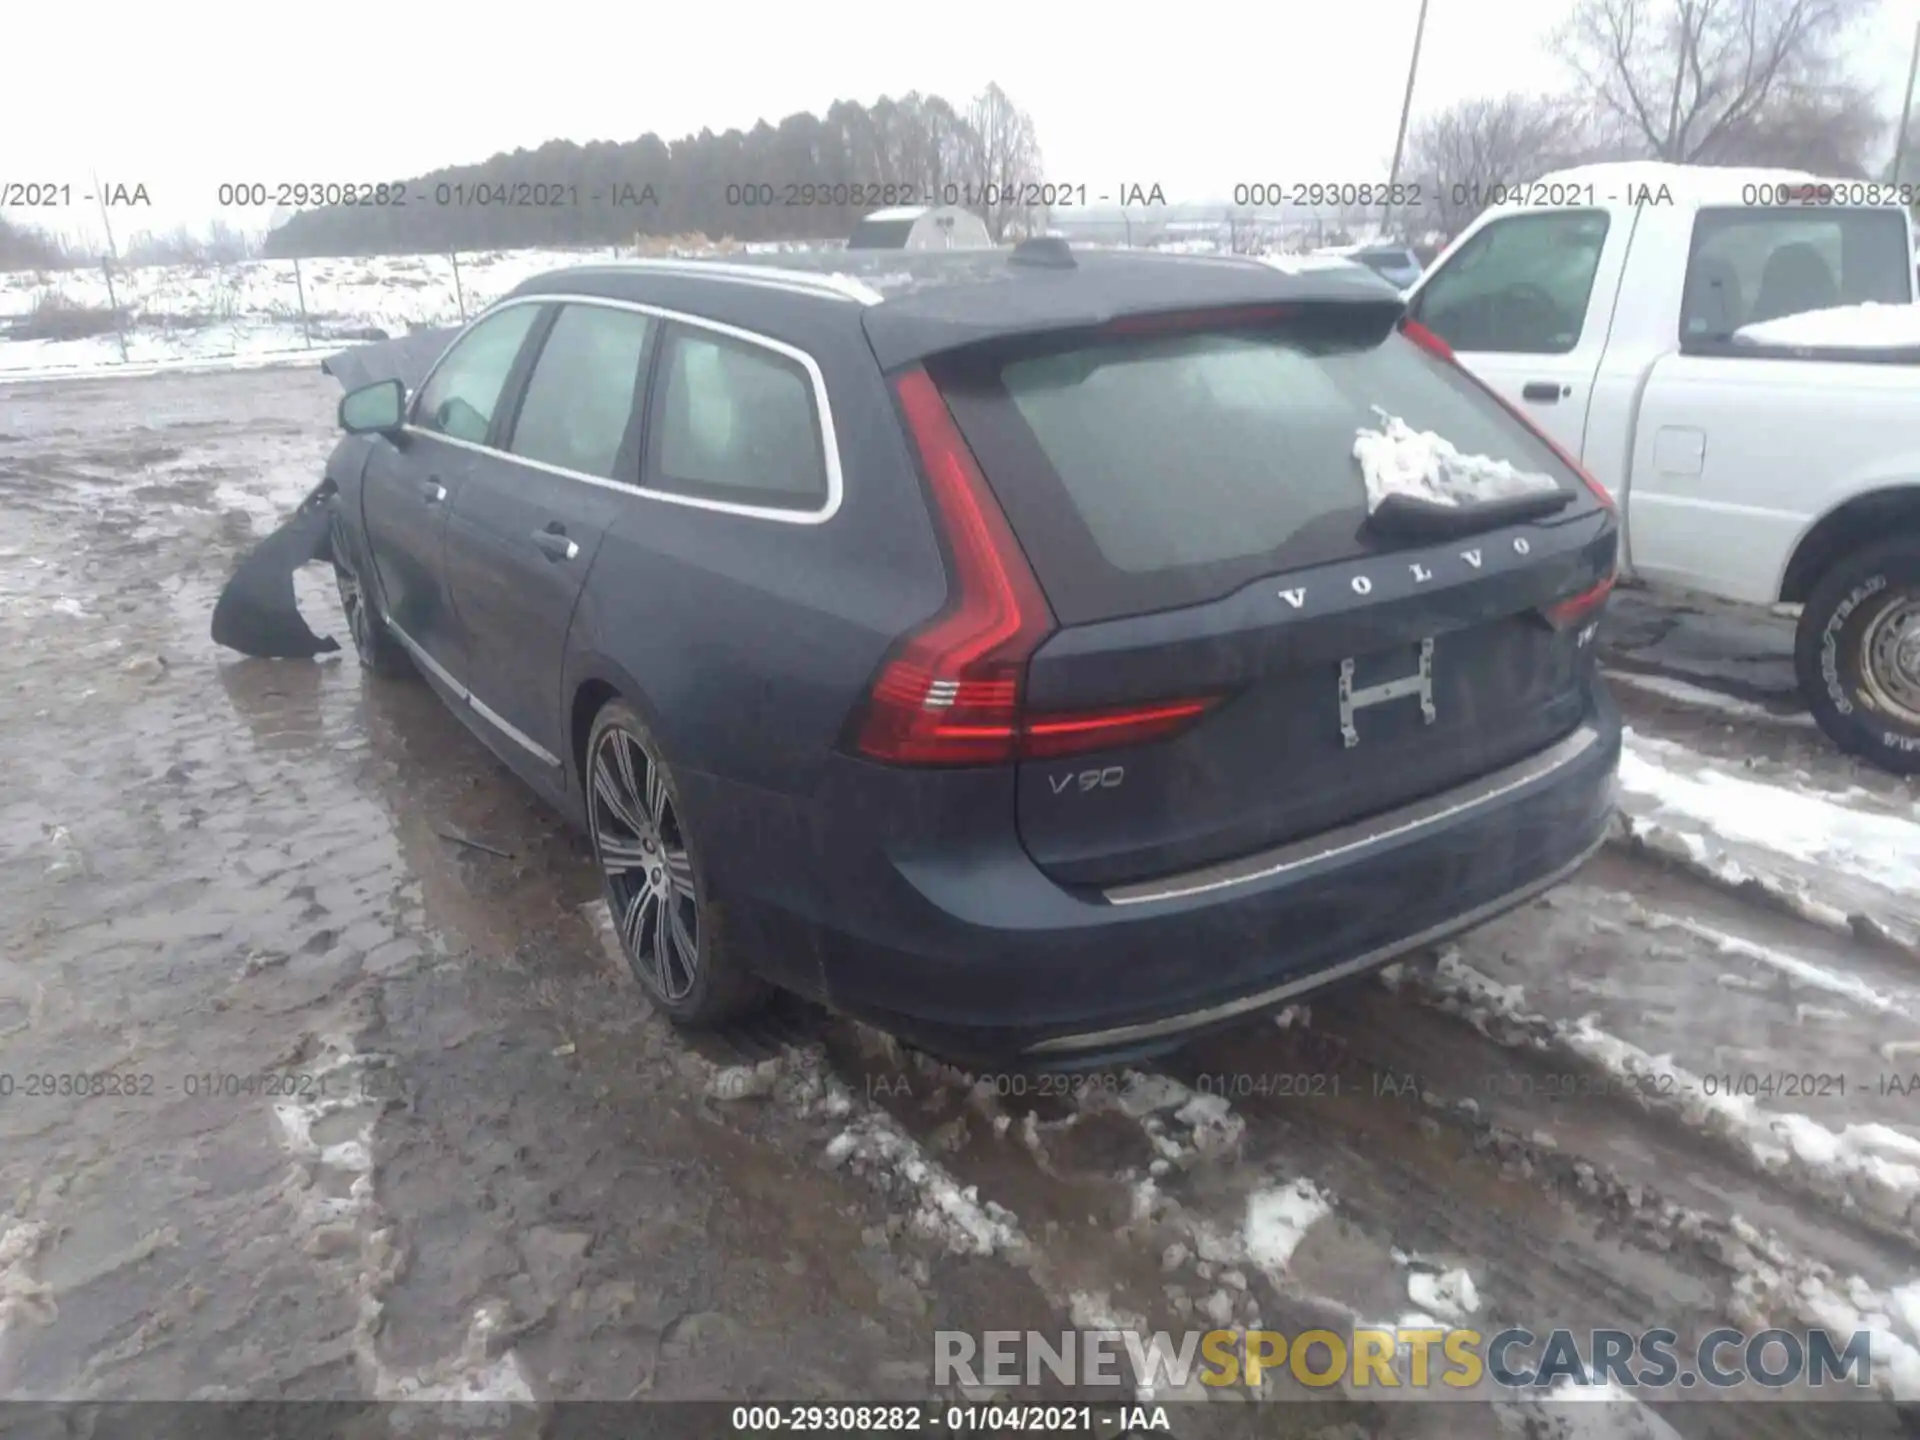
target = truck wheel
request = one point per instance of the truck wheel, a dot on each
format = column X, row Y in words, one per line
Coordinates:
column 380, row 654
column 1857, row 654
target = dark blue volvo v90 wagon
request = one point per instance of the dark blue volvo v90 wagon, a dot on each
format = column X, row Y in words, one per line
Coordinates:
column 998, row 645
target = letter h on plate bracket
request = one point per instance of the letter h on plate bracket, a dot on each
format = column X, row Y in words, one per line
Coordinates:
column 1419, row 683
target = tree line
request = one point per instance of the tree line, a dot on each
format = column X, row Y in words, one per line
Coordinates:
column 807, row 177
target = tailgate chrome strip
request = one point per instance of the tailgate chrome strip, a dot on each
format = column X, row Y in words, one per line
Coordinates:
column 1314, row 980
column 1362, row 834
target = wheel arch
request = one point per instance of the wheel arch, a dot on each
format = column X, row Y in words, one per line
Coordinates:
column 1862, row 520
column 594, row 681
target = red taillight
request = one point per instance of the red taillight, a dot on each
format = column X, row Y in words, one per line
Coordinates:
column 1434, row 345
column 951, row 692
column 1576, row 610
column 1045, row 736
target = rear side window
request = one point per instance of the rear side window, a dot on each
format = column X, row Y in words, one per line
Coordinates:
column 1748, row 265
column 1163, row 471
column 1519, row 287
column 737, row 422
column 580, row 399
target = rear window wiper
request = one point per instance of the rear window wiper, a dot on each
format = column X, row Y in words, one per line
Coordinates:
column 1404, row 517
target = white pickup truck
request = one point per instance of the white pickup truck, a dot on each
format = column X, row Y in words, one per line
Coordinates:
column 1653, row 320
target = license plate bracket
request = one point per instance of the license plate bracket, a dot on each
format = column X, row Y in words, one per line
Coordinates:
column 1352, row 701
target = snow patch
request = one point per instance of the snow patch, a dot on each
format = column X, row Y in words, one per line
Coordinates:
column 1278, row 1219
column 1701, row 698
column 1669, row 780
column 1450, row 1293
column 1871, row 1166
column 1803, row 972
column 20, row 1294
column 1396, row 459
column 1870, row 326
column 945, row 1209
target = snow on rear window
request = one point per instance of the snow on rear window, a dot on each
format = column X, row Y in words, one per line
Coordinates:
column 1202, row 449
column 1396, row 459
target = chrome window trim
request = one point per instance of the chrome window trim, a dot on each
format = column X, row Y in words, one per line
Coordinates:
column 1363, row 835
column 1302, row 984
column 829, row 436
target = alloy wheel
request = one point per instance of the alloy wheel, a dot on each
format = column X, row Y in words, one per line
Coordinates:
column 646, row 864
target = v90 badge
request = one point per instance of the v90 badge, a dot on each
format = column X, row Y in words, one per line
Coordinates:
column 1088, row 780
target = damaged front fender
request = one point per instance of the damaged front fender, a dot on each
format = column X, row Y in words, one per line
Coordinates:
column 256, row 613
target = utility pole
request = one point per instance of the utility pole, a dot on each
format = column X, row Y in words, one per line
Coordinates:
column 1406, row 111
column 1906, row 112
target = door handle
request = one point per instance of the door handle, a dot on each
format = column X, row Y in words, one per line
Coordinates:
column 1545, row 390
column 433, row 492
column 555, row 544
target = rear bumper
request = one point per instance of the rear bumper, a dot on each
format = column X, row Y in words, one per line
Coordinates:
column 975, row 954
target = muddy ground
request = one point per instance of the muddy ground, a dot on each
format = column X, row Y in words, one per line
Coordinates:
column 364, row 1108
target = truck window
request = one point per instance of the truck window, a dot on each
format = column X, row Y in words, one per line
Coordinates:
column 1520, row 286
column 1750, row 264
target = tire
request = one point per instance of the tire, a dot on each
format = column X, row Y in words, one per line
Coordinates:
column 651, row 877
column 380, row 653
column 1857, row 654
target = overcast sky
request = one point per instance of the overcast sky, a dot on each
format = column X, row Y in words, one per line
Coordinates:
column 1195, row 97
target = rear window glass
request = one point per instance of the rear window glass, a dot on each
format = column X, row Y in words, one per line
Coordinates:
column 1753, row 264
column 1169, row 470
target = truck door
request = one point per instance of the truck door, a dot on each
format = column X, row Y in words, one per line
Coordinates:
column 1525, row 303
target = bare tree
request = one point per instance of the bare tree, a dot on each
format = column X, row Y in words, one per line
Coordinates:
column 1688, row 78
column 1006, row 158
column 1461, row 156
column 1830, row 130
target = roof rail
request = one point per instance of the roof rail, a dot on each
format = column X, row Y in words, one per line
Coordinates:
column 813, row 282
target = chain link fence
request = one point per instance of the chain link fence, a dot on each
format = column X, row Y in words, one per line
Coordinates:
column 107, row 315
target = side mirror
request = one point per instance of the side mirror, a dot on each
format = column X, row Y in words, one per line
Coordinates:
column 377, row 409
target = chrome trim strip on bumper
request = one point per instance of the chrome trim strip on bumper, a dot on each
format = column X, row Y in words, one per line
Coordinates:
column 467, row 697
column 1300, row 984
column 1362, row 834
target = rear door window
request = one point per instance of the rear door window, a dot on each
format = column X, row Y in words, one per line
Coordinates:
column 1752, row 264
column 1520, row 286
column 580, row 399
column 1160, row 471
